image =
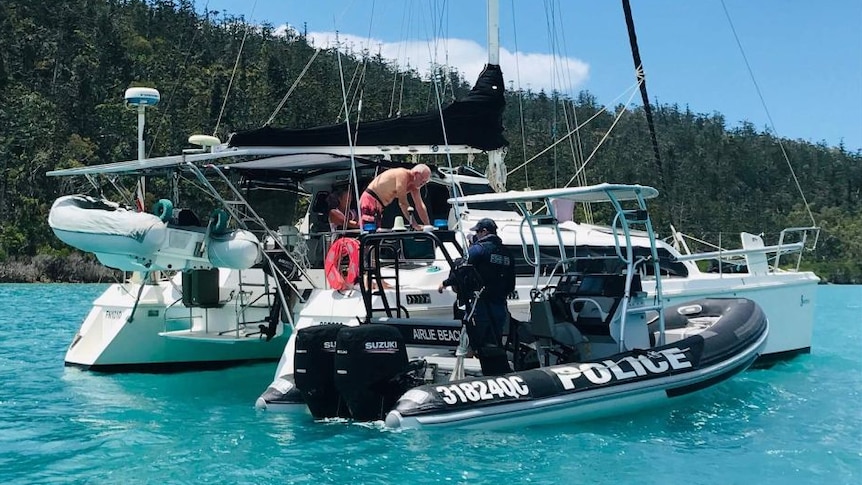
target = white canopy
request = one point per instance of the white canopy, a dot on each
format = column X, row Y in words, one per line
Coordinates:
column 591, row 193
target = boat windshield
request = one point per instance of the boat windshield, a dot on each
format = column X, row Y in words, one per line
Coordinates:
column 463, row 188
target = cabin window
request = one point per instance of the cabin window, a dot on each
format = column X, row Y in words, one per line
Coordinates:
column 276, row 206
column 407, row 249
column 422, row 249
column 548, row 258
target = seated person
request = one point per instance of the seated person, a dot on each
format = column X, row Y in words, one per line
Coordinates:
column 341, row 216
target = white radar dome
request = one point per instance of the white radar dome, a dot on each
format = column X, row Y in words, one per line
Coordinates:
column 204, row 140
column 142, row 96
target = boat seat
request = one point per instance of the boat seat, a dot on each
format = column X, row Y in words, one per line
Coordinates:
column 553, row 337
column 590, row 314
column 757, row 262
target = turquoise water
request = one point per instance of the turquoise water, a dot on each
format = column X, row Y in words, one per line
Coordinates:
column 797, row 423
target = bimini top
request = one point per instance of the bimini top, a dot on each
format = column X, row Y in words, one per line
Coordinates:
column 475, row 121
column 301, row 166
column 591, row 193
column 272, row 166
column 150, row 165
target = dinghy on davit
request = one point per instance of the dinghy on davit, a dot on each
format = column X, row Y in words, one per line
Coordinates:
column 596, row 344
column 137, row 241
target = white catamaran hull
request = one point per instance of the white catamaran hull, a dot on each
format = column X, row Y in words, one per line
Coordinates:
column 165, row 335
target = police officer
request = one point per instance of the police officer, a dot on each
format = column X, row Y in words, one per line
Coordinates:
column 496, row 268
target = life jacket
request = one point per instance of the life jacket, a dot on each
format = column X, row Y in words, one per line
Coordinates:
column 496, row 266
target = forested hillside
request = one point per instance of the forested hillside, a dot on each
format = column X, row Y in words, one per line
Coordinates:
column 65, row 64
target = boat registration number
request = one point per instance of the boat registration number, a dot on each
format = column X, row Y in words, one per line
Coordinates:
column 486, row 390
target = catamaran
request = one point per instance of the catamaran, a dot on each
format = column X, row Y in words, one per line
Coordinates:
column 190, row 305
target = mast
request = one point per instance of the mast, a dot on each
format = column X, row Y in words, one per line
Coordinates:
column 496, row 171
column 494, row 32
column 641, row 76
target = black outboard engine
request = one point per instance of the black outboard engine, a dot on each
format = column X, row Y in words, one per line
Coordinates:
column 314, row 368
column 369, row 364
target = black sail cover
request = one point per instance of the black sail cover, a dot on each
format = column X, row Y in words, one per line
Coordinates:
column 476, row 120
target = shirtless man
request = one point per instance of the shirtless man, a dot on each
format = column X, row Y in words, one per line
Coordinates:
column 392, row 184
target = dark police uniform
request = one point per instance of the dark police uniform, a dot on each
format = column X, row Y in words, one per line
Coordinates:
column 496, row 268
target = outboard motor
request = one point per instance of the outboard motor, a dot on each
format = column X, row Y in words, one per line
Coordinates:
column 314, row 368
column 369, row 365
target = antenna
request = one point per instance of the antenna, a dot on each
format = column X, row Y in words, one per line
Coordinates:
column 141, row 98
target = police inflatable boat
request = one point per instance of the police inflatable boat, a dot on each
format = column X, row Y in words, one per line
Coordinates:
column 717, row 339
column 362, row 372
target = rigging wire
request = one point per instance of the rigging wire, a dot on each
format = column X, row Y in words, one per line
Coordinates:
column 520, row 94
column 360, row 92
column 358, row 78
column 768, row 114
column 350, row 141
column 604, row 138
column 577, row 128
column 641, row 76
column 404, row 21
column 575, row 143
column 550, row 26
column 292, row 88
column 405, row 27
column 354, row 88
column 176, row 85
column 436, row 85
column 235, row 67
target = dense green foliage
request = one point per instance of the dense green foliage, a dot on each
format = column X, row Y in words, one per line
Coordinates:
column 65, row 65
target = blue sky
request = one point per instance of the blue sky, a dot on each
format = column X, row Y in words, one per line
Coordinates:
column 806, row 56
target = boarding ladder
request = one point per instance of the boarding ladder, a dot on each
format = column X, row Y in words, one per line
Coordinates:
column 373, row 283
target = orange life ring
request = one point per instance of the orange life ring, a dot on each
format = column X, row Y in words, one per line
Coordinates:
column 346, row 246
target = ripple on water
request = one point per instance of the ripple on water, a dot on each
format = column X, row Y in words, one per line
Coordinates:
column 796, row 422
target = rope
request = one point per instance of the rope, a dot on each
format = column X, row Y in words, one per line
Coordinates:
column 300, row 253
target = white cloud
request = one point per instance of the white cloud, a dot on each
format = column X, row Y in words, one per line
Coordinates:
column 535, row 71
